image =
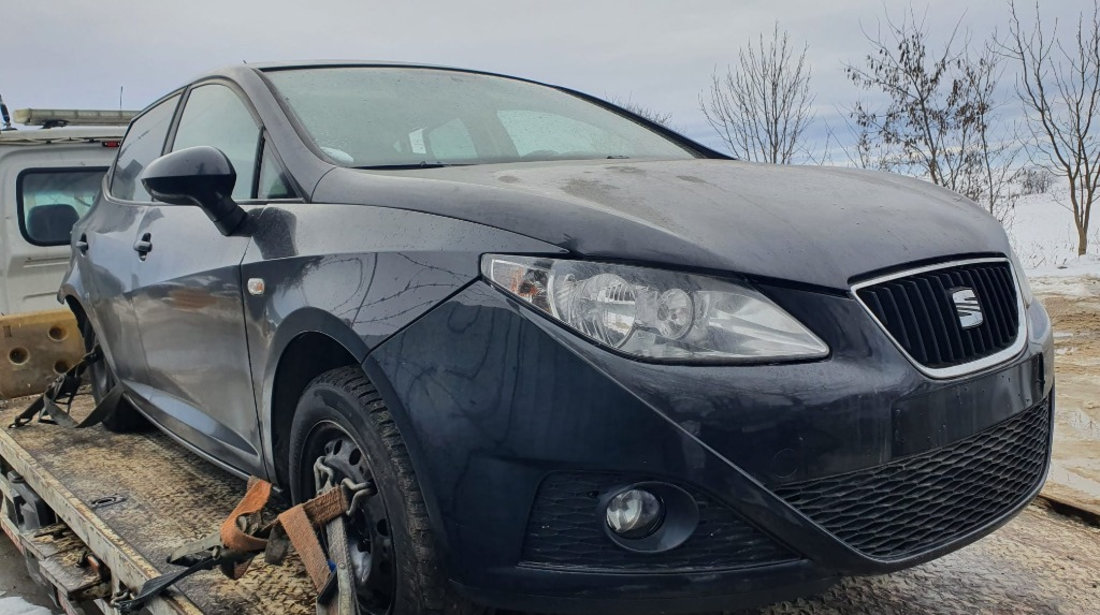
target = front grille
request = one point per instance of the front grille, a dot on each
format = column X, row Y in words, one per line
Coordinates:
column 566, row 531
column 920, row 314
column 919, row 503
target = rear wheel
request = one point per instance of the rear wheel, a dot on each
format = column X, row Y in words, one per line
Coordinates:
column 342, row 423
column 125, row 418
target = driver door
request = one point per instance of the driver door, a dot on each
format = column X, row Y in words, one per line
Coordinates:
column 189, row 301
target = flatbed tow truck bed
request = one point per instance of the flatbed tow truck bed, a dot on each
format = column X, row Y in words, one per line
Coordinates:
column 132, row 499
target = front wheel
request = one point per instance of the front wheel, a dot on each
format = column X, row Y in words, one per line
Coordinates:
column 342, row 424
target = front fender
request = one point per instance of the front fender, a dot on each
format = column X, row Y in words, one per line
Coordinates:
column 354, row 273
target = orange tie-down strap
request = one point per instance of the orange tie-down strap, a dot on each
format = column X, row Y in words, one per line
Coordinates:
column 243, row 535
column 300, row 524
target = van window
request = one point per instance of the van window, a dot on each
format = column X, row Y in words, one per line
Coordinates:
column 52, row 200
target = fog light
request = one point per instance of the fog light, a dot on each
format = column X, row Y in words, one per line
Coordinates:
column 634, row 513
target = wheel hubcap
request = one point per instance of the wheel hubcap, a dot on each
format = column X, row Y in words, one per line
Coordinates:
column 338, row 460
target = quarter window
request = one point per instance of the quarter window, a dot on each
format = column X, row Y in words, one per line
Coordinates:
column 52, row 200
column 214, row 115
column 143, row 143
column 273, row 182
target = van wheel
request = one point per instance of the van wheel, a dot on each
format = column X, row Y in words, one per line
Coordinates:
column 125, row 418
column 342, row 422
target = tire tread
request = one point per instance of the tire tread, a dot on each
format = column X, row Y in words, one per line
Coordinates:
column 429, row 586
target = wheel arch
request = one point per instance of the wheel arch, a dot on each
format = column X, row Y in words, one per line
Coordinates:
column 72, row 302
column 308, row 343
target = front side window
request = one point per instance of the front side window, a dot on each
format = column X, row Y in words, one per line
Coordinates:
column 214, row 115
column 52, row 200
column 144, row 142
column 370, row 116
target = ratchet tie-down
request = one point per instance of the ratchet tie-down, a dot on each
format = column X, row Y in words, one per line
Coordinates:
column 66, row 385
column 245, row 533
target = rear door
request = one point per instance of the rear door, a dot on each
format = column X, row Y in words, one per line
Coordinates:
column 189, row 300
column 104, row 243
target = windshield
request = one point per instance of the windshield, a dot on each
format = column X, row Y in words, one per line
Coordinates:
column 411, row 117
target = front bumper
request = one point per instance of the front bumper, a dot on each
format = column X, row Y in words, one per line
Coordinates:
column 497, row 404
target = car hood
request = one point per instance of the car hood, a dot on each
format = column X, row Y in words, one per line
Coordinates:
column 815, row 225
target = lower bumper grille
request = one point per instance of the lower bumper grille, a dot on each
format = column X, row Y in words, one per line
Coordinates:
column 566, row 531
column 919, row 503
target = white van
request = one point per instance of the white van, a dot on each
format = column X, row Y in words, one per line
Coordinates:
column 49, row 177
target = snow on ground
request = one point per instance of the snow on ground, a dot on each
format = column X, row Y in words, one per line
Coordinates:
column 1082, row 283
column 1042, row 232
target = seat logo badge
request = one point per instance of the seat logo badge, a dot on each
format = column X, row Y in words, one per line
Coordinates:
column 256, row 286
column 967, row 308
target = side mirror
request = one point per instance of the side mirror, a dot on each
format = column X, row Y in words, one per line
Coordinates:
column 201, row 176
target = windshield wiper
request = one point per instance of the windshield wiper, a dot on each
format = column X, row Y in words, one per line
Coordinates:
column 618, row 157
column 423, row 164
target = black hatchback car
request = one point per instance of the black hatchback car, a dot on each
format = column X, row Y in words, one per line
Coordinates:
column 591, row 365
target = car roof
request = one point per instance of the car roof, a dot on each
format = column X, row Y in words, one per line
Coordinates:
column 329, row 63
column 236, row 70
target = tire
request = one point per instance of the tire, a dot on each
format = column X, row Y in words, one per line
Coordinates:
column 125, row 418
column 391, row 528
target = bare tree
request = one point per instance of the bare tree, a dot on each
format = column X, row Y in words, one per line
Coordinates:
column 761, row 109
column 867, row 151
column 1059, row 85
column 989, row 165
column 1036, row 180
column 657, row 117
column 938, row 121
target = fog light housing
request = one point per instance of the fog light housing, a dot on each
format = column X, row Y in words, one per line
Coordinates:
column 635, row 513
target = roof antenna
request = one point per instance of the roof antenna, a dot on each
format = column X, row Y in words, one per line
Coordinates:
column 4, row 115
column 120, row 98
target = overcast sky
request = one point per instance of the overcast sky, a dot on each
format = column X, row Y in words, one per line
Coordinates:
column 76, row 53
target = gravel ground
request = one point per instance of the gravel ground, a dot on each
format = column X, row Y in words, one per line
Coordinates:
column 1074, row 308
column 19, row 595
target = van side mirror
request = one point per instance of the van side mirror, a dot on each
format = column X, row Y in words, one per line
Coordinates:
column 202, row 176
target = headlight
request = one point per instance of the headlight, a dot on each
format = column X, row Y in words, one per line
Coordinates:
column 656, row 314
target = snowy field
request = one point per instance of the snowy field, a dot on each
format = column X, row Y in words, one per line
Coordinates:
column 1042, row 232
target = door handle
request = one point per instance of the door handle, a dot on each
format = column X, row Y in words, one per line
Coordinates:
column 82, row 243
column 144, row 246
